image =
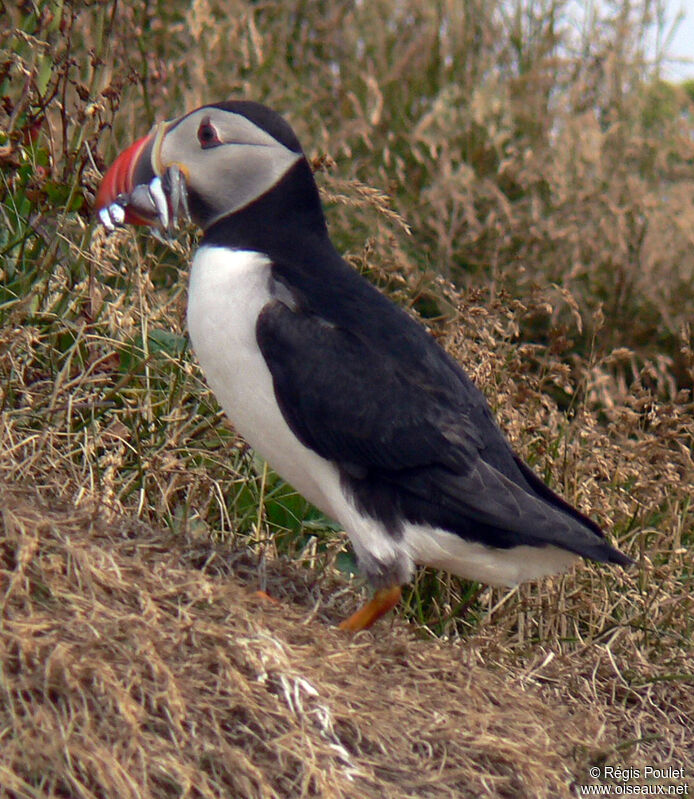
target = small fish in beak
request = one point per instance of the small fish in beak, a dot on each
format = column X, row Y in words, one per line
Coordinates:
column 134, row 192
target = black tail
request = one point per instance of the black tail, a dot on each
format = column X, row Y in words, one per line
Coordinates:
column 602, row 550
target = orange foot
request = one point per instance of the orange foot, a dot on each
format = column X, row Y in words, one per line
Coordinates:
column 266, row 597
column 384, row 599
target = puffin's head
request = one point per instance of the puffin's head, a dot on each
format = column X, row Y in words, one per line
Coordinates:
column 226, row 155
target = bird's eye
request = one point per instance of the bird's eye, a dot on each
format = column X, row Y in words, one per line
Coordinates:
column 207, row 134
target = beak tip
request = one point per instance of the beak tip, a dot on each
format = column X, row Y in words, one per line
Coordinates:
column 119, row 180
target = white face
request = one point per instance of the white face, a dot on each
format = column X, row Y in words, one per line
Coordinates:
column 226, row 160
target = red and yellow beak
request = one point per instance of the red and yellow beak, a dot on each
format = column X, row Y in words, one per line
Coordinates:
column 132, row 167
column 136, row 166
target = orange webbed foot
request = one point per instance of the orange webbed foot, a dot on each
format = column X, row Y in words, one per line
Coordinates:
column 383, row 600
column 266, row 597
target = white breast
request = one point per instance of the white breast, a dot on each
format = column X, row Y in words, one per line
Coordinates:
column 228, row 289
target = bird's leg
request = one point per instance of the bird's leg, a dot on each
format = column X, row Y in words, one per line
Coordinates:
column 266, row 597
column 383, row 600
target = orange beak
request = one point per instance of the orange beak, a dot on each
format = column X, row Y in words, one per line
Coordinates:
column 132, row 168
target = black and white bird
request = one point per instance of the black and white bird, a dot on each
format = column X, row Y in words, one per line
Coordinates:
column 345, row 395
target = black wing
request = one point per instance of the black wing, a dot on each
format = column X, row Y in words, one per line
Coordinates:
column 381, row 399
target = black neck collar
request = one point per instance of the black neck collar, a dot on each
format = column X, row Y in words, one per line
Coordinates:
column 286, row 219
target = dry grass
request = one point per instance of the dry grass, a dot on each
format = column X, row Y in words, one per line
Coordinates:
column 138, row 664
column 555, row 189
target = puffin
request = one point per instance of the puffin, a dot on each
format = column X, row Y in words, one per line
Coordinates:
column 348, row 397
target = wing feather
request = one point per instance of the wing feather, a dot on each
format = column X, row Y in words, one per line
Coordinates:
column 416, row 427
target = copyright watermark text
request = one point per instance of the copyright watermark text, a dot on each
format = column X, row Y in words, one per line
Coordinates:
column 631, row 781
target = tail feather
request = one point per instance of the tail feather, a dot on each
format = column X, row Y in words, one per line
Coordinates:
column 602, row 550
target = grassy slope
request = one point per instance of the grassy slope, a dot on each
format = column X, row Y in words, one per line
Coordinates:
column 555, row 191
column 140, row 664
